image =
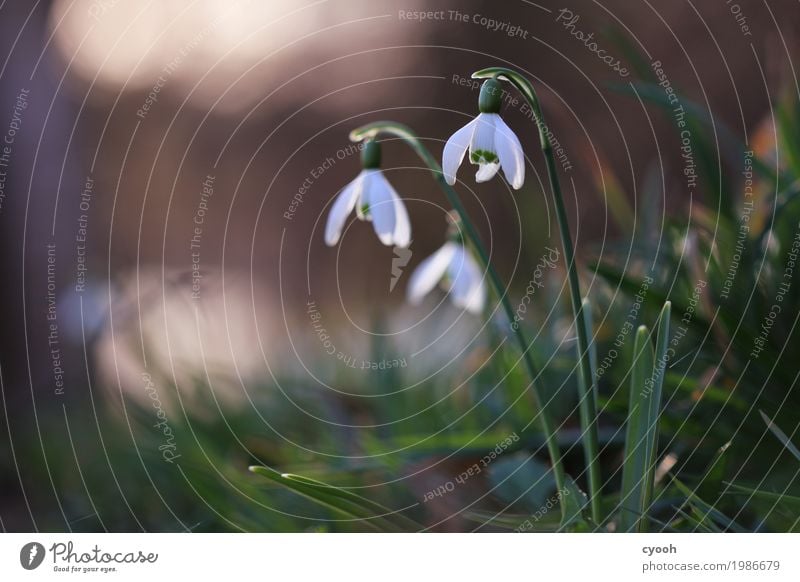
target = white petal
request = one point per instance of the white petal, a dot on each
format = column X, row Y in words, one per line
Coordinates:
column 486, row 172
column 362, row 208
column 454, row 151
column 483, row 136
column 467, row 289
column 476, row 298
column 429, row 273
column 341, row 208
column 379, row 196
column 509, row 150
column 402, row 226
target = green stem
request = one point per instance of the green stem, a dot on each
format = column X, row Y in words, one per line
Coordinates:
column 408, row 136
column 586, row 381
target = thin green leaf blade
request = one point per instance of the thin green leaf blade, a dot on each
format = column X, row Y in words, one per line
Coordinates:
column 637, row 454
column 781, row 436
column 779, row 498
column 656, row 389
column 340, row 500
column 707, row 514
column 573, row 502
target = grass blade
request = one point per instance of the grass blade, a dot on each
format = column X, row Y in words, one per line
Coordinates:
column 342, row 501
column 549, row 523
column 781, row 436
column 734, row 146
column 574, row 502
column 706, row 514
column 641, row 436
column 779, row 498
column 656, row 387
column 636, row 453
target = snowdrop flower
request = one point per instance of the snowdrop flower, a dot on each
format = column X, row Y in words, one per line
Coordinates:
column 374, row 200
column 454, row 268
column 490, row 141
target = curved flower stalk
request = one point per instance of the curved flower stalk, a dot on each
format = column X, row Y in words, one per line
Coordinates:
column 454, row 268
column 371, row 131
column 374, row 200
column 490, row 141
column 586, row 380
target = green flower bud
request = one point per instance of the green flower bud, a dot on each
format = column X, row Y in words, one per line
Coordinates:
column 371, row 155
column 491, row 96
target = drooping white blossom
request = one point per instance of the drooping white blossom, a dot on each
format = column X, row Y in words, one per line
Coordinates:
column 491, row 145
column 375, row 200
column 454, row 268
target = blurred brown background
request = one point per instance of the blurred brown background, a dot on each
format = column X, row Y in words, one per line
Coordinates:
column 149, row 101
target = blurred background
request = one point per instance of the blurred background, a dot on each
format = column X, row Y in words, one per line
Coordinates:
column 171, row 313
